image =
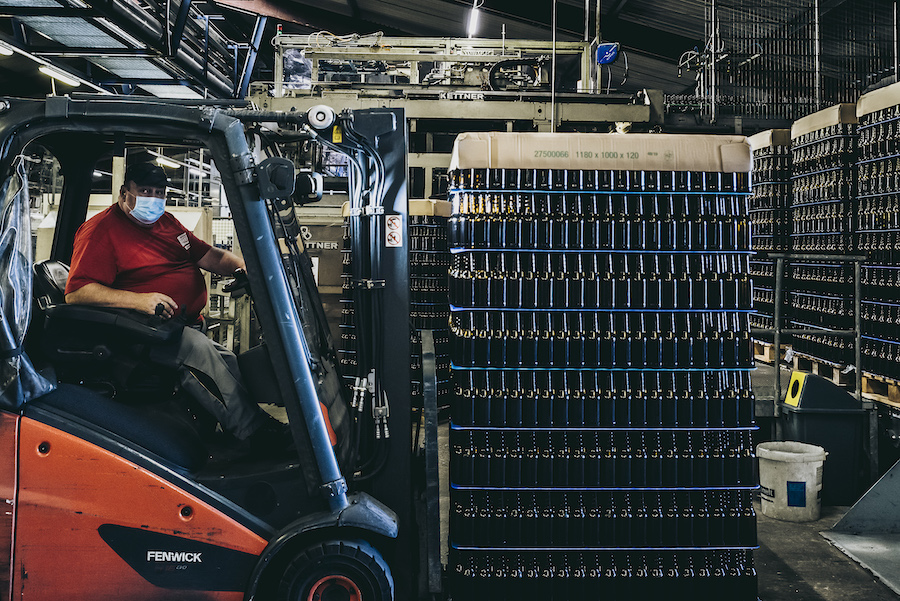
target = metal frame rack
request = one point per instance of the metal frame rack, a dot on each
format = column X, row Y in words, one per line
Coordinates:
column 602, row 418
column 854, row 334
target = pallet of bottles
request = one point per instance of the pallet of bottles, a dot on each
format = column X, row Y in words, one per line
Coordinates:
column 601, row 441
column 769, row 217
column 878, row 230
column 820, row 294
column 771, row 190
column 823, row 156
column 762, row 273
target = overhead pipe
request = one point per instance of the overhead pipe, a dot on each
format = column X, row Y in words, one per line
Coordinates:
column 221, row 45
column 149, row 31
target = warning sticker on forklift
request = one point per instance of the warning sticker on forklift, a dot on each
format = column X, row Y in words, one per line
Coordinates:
column 393, row 225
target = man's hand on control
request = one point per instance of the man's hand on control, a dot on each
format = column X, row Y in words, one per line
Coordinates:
column 156, row 303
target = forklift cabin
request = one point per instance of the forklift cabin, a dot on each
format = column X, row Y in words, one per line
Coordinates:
column 116, row 489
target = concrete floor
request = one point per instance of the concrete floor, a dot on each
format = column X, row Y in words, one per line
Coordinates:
column 794, row 562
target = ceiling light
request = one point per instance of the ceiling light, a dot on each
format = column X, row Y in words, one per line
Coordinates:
column 473, row 18
column 5, row 50
column 59, row 76
column 167, row 162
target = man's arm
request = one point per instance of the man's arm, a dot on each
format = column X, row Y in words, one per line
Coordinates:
column 104, row 296
column 221, row 261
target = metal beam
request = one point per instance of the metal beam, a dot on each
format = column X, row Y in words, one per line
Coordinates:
column 72, row 52
column 536, row 111
column 48, row 11
column 142, row 81
column 242, row 83
column 174, row 36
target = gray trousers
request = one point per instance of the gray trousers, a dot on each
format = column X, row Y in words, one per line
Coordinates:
column 210, row 374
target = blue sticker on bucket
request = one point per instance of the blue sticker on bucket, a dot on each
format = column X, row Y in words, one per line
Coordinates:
column 796, row 494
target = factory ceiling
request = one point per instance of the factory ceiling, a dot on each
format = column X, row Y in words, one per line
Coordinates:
column 196, row 49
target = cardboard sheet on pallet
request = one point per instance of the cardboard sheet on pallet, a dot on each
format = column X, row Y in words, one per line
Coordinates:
column 878, row 100
column 833, row 115
column 639, row 152
column 769, row 138
column 427, row 207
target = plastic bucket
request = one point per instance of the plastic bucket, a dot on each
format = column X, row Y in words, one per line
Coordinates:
column 790, row 480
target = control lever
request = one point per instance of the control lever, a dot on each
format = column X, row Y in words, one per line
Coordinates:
column 239, row 285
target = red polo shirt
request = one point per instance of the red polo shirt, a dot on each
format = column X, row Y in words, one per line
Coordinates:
column 112, row 250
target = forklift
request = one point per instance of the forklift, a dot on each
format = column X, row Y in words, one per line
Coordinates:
column 116, row 486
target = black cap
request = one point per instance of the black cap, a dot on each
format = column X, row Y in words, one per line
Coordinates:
column 146, row 174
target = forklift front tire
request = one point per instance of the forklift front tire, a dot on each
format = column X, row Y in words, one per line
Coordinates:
column 337, row 569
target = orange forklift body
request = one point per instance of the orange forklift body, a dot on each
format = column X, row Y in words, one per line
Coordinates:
column 74, row 495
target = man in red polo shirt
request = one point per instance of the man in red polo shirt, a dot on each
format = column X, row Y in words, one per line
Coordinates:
column 135, row 255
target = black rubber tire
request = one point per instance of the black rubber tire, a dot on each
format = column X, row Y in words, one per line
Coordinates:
column 352, row 560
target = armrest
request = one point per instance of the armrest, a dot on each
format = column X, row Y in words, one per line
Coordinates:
column 144, row 328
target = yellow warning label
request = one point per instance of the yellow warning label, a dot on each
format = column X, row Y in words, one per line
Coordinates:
column 337, row 136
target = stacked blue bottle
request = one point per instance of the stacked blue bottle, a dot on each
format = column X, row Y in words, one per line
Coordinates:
column 770, row 203
column 822, row 217
column 602, row 422
column 878, row 229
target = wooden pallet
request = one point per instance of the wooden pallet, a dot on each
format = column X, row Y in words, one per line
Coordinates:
column 764, row 352
column 881, row 389
column 827, row 369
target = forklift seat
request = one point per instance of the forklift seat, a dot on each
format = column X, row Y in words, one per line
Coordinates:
column 106, row 349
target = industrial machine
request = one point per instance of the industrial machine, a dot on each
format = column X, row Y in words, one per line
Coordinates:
column 115, row 488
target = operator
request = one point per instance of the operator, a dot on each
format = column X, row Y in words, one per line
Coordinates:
column 135, row 255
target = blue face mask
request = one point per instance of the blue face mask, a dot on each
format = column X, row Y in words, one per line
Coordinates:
column 148, row 209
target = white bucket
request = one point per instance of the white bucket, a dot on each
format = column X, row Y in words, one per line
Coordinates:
column 790, row 480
